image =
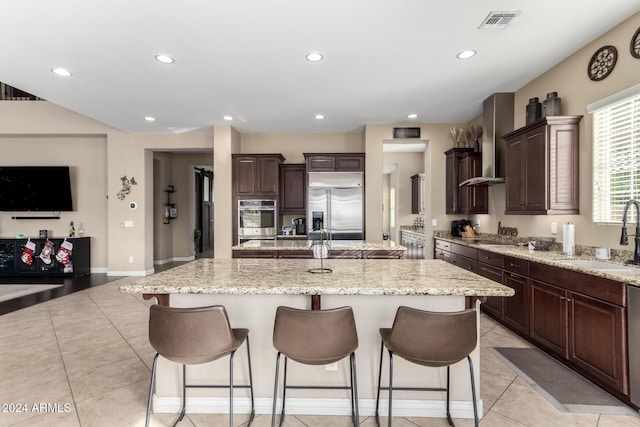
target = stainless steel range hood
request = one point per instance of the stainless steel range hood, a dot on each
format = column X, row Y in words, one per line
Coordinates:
column 497, row 120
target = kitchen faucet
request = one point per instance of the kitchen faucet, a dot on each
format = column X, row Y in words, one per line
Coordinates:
column 624, row 239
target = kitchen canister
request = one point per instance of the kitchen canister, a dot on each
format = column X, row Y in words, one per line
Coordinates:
column 568, row 239
column 534, row 110
column 551, row 105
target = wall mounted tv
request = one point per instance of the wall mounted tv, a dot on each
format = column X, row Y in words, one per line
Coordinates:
column 35, row 189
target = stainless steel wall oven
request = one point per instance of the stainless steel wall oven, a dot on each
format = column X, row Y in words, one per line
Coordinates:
column 257, row 219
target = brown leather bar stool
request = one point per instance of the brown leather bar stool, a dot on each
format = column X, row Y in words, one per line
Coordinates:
column 315, row 337
column 429, row 339
column 192, row 336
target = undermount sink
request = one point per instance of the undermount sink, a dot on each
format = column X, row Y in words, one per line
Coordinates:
column 603, row 266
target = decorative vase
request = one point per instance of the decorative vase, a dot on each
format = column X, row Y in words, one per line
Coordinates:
column 534, row 110
column 476, row 146
column 551, row 105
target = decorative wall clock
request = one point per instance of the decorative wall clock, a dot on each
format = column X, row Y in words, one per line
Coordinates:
column 635, row 44
column 602, row 62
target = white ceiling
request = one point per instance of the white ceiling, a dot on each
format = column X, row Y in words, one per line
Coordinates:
column 383, row 59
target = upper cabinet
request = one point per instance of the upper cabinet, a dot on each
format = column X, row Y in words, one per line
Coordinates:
column 256, row 174
column 542, row 167
column 417, row 193
column 462, row 164
column 334, row 162
column 293, row 188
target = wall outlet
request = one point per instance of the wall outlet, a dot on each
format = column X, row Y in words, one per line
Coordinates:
column 477, row 223
column 434, row 222
column 128, row 223
column 331, row 367
column 554, row 228
column 131, row 259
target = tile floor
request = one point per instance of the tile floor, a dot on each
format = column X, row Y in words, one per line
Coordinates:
column 89, row 351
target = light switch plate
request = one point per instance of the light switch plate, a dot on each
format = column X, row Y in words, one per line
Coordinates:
column 554, row 228
column 434, row 222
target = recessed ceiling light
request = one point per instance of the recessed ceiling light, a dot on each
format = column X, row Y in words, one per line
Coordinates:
column 412, row 116
column 314, row 57
column 466, row 54
column 150, row 119
column 319, row 116
column 61, row 72
column 165, row 59
column 228, row 118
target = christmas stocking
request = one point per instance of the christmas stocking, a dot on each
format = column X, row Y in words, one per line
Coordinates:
column 45, row 254
column 27, row 252
column 64, row 252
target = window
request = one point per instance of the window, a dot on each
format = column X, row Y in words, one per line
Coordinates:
column 616, row 155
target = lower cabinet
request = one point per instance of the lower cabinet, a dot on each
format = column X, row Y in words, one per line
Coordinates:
column 578, row 318
column 306, row 254
column 597, row 340
column 549, row 317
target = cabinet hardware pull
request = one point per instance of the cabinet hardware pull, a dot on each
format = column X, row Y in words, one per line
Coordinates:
column 569, row 299
column 562, row 298
column 515, row 276
column 514, row 265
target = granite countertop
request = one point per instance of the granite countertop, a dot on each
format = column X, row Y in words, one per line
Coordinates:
column 618, row 271
column 301, row 245
column 291, row 277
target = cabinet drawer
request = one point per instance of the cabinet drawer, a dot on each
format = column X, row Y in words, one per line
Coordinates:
column 345, row 254
column 490, row 272
column 516, row 265
column 490, row 258
column 349, row 163
column 465, row 251
column 443, row 245
column 464, row 262
column 295, row 254
column 587, row 284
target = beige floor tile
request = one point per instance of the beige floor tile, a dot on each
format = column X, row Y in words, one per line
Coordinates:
column 53, row 392
column 53, row 419
column 439, row 422
column 106, row 378
column 222, row 420
column 490, row 364
column 164, row 420
column 619, row 421
column 493, row 419
column 124, row 406
column 90, row 357
column 289, row 421
column 525, row 405
column 500, row 337
column 327, row 421
column 491, row 388
column 397, row 422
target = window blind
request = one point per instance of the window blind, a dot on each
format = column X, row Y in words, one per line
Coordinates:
column 616, row 159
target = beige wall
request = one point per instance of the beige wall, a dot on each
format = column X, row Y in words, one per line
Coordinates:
column 292, row 146
column 570, row 80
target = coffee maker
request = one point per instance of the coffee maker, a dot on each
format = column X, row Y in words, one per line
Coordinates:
column 299, row 226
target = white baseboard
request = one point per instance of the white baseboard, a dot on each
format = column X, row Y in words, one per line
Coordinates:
column 131, row 273
column 174, row 259
column 307, row 406
column 96, row 270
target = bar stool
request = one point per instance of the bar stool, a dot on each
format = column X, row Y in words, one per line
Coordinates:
column 429, row 339
column 191, row 336
column 315, row 337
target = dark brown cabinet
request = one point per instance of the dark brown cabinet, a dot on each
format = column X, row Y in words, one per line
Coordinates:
column 293, row 188
column 256, row 175
column 542, row 167
column 334, row 162
column 417, row 193
column 462, row 164
column 549, row 317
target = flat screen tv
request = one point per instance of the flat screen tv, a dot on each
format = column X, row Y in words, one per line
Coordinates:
column 35, row 189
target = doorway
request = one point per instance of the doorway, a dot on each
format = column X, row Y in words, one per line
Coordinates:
column 204, row 212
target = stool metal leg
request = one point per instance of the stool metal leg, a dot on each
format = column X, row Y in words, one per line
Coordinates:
column 253, row 408
column 233, row 353
column 473, row 392
column 184, row 395
column 449, row 419
column 275, row 392
column 284, row 390
column 379, row 384
column 390, row 384
column 153, row 377
column 354, row 391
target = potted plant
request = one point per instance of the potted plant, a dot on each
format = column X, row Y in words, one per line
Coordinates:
column 197, row 234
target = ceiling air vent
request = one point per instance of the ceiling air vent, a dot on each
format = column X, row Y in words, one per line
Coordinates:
column 498, row 19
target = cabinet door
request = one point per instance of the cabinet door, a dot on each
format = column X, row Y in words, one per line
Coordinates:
column 464, row 164
column 347, row 163
column 293, row 189
column 493, row 305
column 514, row 176
column 549, row 317
column 536, row 172
column 244, row 175
column 451, row 183
column 563, row 168
column 321, row 163
column 597, row 340
column 464, row 262
column 415, row 194
column 267, row 176
column 516, row 308
column 478, row 194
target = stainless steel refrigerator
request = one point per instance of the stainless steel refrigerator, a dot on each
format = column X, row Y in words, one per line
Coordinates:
column 335, row 203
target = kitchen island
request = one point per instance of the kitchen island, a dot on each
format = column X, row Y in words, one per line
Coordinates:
column 252, row 289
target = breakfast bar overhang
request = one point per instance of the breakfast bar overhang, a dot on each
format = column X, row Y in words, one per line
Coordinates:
column 252, row 289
